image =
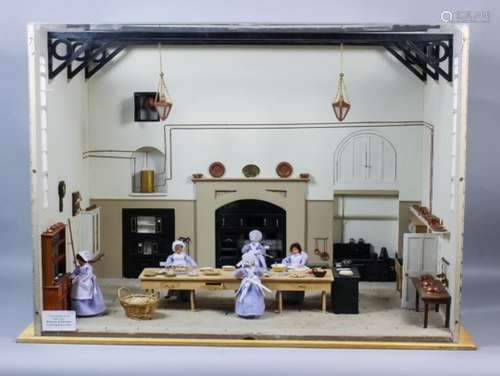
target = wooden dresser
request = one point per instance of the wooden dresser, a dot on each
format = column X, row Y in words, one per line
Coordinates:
column 55, row 280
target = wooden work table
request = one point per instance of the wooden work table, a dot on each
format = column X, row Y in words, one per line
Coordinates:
column 227, row 281
column 440, row 298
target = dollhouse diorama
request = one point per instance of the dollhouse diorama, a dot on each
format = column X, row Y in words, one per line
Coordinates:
column 248, row 183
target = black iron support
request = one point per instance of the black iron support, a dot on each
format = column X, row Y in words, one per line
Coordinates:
column 108, row 51
column 404, row 59
column 421, row 52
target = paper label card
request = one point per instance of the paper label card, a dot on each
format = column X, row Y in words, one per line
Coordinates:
column 59, row 321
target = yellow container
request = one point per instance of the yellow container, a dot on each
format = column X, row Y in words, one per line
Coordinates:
column 147, row 181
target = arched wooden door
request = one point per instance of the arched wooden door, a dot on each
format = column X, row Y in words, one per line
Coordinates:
column 365, row 160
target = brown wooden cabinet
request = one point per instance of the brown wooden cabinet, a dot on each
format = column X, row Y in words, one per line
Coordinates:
column 55, row 280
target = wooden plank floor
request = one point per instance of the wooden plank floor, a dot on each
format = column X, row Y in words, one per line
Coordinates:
column 465, row 343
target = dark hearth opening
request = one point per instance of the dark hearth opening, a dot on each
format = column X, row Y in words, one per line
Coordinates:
column 235, row 220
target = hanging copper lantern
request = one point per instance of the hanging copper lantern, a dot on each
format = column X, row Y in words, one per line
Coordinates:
column 162, row 102
column 341, row 105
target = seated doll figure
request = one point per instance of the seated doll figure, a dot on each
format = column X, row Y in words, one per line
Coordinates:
column 86, row 295
column 255, row 246
column 297, row 260
column 179, row 258
column 250, row 302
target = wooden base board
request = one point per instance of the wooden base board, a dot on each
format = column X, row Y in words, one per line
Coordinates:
column 465, row 343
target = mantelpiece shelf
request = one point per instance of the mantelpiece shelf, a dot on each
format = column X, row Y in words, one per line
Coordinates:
column 279, row 180
column 153, row 194
column 421, row 221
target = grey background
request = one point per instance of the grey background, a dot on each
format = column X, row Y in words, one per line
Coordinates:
column 481, row 302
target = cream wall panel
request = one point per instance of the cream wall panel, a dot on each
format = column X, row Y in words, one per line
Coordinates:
column 319, row 225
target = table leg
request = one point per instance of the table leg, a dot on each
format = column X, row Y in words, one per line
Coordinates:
column 323, row 301
column 417, row 301
column 447, row 324
column 426, row 314
column 436, row 308
column 192, row 299
column 280, row 302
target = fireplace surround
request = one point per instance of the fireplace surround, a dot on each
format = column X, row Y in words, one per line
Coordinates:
column 212, row 194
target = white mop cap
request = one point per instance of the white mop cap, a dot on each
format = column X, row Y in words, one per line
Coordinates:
column 85, row 255
column 178, row 243
column 248, row 259
column 255, row 236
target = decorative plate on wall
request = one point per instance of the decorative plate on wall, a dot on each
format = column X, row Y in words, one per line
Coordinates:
column 284, row 169
column 251, row 170
column 217, row 169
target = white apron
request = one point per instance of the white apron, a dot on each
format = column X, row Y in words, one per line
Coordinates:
column 84, row 284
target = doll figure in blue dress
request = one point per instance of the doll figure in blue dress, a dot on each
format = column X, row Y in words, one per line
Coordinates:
column 179, row 258
column 86, row 295
column 255, row 246
column 250, row 301
column 296, row 260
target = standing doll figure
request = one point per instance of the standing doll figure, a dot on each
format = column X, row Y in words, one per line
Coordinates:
column 255, row 246
column 179, row 258
column 86, row 295
column 250, row 296
column 296, row 260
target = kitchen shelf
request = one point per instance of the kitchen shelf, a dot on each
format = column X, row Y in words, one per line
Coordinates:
column 419, row 220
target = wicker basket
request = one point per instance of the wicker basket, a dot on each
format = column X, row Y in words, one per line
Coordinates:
column 138, row 306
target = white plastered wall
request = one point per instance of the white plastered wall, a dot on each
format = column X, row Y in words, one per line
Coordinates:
column 66, row 106
column 226, row 86
column 445, row 109
column 67, row 138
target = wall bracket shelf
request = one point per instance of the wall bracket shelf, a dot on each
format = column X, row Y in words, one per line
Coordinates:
column 420, row 51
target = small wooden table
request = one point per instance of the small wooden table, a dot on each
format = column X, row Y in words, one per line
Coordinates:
column 436, row 299
column 227, row 281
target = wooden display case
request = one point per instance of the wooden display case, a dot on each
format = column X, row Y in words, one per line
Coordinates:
column 55, row 280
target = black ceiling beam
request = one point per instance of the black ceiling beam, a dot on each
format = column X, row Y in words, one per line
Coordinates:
column 418, row 50
column 281, row 37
